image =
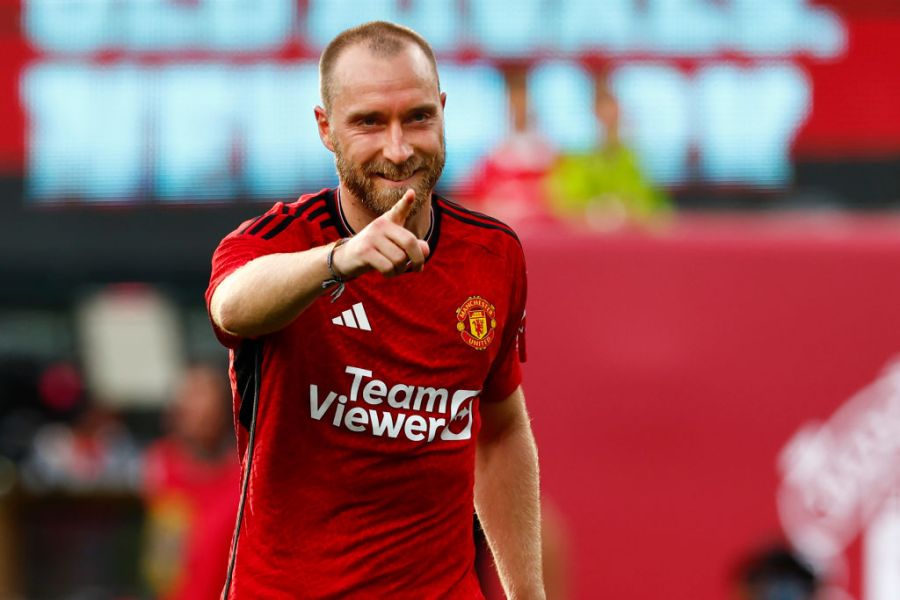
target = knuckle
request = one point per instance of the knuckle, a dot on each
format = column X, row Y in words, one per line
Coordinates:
column 367, row 246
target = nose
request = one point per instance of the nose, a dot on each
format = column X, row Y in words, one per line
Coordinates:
column 396, row 149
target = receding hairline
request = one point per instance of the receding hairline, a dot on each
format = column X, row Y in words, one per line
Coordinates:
column 381, row 38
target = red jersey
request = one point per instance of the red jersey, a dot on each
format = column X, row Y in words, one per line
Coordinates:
column 190, row 516
column 357, row 422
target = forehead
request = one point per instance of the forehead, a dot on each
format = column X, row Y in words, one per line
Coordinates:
column 360, row 76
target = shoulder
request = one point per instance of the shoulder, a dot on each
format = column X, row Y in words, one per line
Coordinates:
column 473, row 223
column 310, row 208
column 477, row 230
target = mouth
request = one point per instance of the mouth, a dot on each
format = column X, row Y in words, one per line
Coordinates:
column 396, row 182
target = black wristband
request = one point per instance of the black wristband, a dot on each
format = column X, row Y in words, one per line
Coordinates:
column 336, row 277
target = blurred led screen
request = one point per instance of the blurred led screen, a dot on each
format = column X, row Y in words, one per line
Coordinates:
column 196, row 100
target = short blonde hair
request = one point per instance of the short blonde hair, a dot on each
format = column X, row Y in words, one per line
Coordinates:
column 382, row 38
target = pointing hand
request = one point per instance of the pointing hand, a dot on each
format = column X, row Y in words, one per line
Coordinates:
column 385, row 245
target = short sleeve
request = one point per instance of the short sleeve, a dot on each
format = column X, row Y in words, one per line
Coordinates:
column 249, row 241
column 506, row 373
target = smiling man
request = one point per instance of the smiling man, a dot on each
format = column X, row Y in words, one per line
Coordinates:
column 376, row 331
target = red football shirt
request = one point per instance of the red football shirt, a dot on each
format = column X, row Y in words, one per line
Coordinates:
column 357, row 422
column 190, row 516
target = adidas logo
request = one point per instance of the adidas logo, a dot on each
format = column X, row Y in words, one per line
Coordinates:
column 354, row 318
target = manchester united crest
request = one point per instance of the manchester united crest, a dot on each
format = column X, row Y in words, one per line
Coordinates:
column 476, row 322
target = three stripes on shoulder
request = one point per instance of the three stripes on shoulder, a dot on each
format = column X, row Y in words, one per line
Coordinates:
column 354, row 318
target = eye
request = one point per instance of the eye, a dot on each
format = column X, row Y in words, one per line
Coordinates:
column 420, row 117
column 368, row 121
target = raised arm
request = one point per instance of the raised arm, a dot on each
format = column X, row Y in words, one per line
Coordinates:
column 507, row 496
column 269, row 292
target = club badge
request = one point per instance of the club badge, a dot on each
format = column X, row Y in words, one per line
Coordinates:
column 476, row 322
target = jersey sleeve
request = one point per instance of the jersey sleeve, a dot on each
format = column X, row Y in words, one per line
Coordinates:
column 506, row 373
column 249, row 241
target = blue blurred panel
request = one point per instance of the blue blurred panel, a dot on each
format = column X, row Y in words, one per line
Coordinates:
column 69, row 25
column 438, row 21
column 283, row 155
column 747, row 121
column 159, row 25
column 476, row 117
column 561, row 95
column 249, row 25
column 511, row 27
column 197, row 138
column 583, row 25
column 327, row 18
column 692, row 27
column 656, row 118
column 782, row 26
column 226, row 25
column 85, row 128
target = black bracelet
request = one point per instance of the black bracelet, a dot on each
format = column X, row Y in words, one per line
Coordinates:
column 336, row 278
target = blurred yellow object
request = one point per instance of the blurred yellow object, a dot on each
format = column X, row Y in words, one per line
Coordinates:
column 605, row 186
column 168, row 522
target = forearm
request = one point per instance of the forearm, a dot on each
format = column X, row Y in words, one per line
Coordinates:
column 269, row 292
column 508, row 505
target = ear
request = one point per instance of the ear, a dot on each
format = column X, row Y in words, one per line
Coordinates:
column 443, row 100
column 324, row 127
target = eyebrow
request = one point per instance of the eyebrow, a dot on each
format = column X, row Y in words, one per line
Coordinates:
column 428, row 107
column 363, row 114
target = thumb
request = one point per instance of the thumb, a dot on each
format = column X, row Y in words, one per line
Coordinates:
column 400, row 211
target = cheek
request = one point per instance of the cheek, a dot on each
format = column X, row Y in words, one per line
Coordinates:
column 362, row 149
column 428, row 140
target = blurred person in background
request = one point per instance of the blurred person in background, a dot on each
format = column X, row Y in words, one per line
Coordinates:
column 507, row 183
column 373, row 422
column 605, row 187
column 81, row 443
column 191, row 479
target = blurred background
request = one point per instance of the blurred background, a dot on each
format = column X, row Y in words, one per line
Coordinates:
column 707, row 194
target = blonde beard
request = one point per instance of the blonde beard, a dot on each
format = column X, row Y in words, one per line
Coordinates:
column 358, row 181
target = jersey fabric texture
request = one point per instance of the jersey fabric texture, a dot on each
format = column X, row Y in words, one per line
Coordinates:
column 357, row 422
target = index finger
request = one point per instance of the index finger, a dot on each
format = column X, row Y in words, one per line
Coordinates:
column 400, row 211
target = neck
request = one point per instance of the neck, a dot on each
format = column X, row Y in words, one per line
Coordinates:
column 358, row 216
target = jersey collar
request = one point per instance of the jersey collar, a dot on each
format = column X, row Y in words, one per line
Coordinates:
column 431, row 236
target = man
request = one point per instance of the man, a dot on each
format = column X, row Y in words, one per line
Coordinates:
column 370, row 417
column 605, row 187
column 190, row 491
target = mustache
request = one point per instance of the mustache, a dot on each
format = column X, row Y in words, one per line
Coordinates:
column 394, row 171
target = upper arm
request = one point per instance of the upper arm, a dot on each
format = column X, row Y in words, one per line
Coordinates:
column 505, row 375
column 232, row 254
column 499, row 418
column 220, row 293
column 251, row 240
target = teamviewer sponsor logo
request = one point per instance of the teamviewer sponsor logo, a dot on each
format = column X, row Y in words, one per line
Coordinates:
column 421, row 413
column 459, row 425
